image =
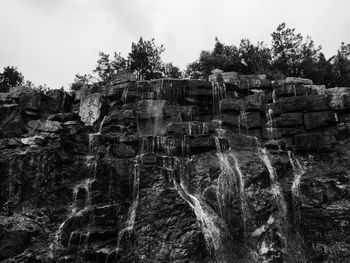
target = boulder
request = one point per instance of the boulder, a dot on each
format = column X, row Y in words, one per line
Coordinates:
column 34, row 140
column 296, row 80
column 6, row 109
column 44, row 126
column 16, row 91
column 61, row 101
column 291, row 90
column 314, row 120
column 253, row 82
column 12, row 125
column 35, row 102
column 64, row 117
column 317, row 89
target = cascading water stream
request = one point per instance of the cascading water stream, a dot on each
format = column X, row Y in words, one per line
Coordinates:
column 75, row 210
column 93, row 135
column 242, row 121
column 155, row 110
column 230, row 177
column 219, row 92
column 277, row 194
column 212, row 225
column 298, row 172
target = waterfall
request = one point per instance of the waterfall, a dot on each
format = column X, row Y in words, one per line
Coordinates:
column 92, row 136
column 75, row 211
column 298, row 172
column 189, row 126
column 274, row 99
column 271, row 131
column 230, row 177
column 277, row 194
column 155, row 110
column 242, row 121
column 157, row 144
column 219, row 92
column 125, row 94
column 275, row 187
column 131, row 217
column 209, row 220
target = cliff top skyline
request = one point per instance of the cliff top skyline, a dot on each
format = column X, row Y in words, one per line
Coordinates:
column 51, row 41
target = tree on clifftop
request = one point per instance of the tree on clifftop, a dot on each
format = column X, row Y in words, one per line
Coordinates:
column 10, row 77
column 107, row 67
column 144, row 59
column 286, row 47
column 171, row 71
column 341, row 65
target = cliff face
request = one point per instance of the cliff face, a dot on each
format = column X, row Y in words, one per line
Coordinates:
column 240, row 169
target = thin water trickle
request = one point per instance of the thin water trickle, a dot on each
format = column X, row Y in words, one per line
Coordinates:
column 274, row 96
column 298, row 172
column 130, row 221
column 125, row 94
column 271, row 131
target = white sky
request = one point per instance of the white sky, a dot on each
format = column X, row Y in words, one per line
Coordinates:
column 52, row 40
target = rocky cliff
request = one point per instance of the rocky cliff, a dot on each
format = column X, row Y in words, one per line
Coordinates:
column 239, row 169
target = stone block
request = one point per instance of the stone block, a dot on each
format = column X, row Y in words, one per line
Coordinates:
column 90, row 108
column 314, row 120
column 300, row 104
column 60, row 101
column 296, row 80
column 288, row 119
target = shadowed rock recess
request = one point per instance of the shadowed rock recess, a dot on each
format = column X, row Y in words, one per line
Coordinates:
column 238, row 169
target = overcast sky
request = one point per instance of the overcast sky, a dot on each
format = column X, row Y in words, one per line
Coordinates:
column 52, row 40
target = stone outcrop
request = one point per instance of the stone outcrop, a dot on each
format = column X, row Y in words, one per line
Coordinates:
column 239, row 169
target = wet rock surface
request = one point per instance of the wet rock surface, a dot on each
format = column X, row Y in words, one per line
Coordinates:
column 241, row 169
